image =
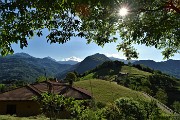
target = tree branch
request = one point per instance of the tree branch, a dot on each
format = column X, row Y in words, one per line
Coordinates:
column 173, row 7
column 168, row 5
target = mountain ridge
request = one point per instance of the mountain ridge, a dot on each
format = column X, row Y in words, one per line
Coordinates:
column 93, row 60
column 90, row 62
column 171, row 67
column 26, row 67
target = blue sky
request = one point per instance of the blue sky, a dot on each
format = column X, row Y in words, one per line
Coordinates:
column 77, row 48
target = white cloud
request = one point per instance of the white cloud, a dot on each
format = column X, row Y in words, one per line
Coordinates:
column 73, row 58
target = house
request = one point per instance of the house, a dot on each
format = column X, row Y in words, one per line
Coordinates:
column 122, row 74
column 20, row 100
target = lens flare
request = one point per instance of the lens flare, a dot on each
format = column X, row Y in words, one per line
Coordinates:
column 123, row 11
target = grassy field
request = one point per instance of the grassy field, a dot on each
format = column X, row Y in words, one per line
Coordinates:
column 87, row 77
column 134, row 71
column 9, row 117
column 105, row 91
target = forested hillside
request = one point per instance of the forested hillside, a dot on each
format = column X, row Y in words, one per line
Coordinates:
column 22, row 66
column 171, row 67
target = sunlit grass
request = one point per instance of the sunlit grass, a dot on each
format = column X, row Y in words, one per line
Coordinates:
column 105, row 91
column 87, row 77
column 134, row 71
column 9, row 117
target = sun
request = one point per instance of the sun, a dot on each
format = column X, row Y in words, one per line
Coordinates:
column 123, row 11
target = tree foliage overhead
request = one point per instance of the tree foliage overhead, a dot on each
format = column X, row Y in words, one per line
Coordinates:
column 153, row 23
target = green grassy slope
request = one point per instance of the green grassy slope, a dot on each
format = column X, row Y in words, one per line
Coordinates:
column 134, row 71
column 105, row 91
column 139, row 78
column 110, row 72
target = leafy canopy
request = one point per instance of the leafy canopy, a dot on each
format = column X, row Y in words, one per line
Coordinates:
column 53, row 105
column 130, row 109
column 150, row 22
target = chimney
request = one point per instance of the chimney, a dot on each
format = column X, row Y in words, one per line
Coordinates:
column 55, row 79
column 50, row 88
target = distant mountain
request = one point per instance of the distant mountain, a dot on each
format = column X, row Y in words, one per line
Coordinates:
column 70, row 62
column 122, row 60
column 19, row 55
column 88, row 63
column 91, row 62
column 62, row 75
column 50, row 59
column 171, row 67
column 22, row 66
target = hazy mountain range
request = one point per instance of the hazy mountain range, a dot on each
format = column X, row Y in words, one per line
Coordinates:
column 70, row 62
column 171, row 67
column 22, row 66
